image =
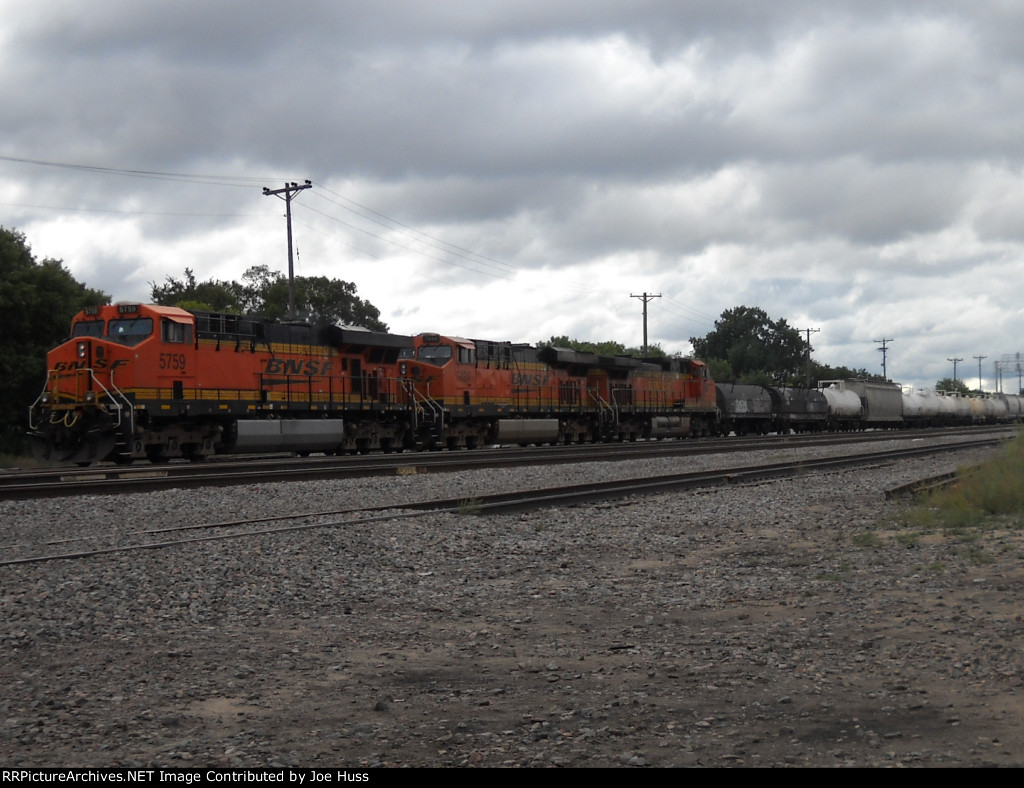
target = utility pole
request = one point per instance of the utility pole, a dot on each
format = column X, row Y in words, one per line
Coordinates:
column 645, row 298
column 287, row 191
column 955, row 362
column 808, row 331
column 883, row 350
column 980, row 359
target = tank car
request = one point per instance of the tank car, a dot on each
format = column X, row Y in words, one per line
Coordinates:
column 744, row 409
column 925, row 409
column 860, row 404
column 844, row 406
column 798, row 409
column 158, row 382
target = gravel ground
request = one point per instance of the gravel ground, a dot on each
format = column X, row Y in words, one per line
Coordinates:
column 782, row 623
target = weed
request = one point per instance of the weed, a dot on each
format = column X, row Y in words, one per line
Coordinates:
column 469, row 506
column 866, row 539
column 908, row 538
column 976, row 555
column 988, row 494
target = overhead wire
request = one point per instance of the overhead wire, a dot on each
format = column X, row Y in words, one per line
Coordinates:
column 441, row 251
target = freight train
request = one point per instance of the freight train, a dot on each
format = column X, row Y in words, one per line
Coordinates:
column 138, row 381
column 838, row 405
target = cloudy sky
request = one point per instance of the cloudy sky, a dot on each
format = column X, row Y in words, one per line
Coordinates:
column 518, row 170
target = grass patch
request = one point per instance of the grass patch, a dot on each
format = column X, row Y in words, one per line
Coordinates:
column 990, row 495
column 469, row 506
column 976, row 555
column 908, row 538
column 866, row 539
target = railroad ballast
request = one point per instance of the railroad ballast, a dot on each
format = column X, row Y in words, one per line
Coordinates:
column 138, row 381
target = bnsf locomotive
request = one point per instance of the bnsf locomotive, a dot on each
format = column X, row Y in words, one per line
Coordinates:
column 137, row 381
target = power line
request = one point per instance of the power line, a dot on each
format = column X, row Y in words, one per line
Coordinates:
column 979, row 360
column 809, row 331
column 219, row 180
column 645, row 298
column 884, row 350
column 288, row 190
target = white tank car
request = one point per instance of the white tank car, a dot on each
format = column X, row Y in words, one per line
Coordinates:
column 844, row 406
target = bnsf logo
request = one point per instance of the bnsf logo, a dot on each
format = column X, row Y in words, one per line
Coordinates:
column 279, row 366
column 100, row 363
column 526, row 379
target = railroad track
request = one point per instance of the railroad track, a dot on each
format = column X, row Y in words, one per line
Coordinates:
column 114, row 479
column 83, row 547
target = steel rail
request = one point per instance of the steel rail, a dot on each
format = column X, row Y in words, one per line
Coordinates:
column 118, row 479
column 503, row 503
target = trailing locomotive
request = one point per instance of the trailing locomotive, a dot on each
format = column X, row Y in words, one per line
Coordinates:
column 476, row 392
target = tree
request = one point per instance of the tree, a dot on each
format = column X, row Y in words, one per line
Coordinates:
column 950, row 385
column 37, row 302
column 607, row 348
column 265, row 292
column 826, row 372
column 754, row 345
column 187, row 293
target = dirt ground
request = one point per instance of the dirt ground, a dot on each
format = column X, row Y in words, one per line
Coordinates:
column 712, row 629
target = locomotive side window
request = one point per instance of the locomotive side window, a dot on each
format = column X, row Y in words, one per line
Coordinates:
column 130, row 331
column 87, row 328
column 178, row 333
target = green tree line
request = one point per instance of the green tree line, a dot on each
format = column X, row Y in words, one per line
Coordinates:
column 265, row 292
column 38, row 298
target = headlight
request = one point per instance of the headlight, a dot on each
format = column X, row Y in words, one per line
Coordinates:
column 90, row 396
column 81, row 350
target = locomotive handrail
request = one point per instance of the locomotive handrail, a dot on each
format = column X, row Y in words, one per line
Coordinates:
column 116, row 403
column 435, row 407
column 603, row 404
column 124, row 399
column 52, row 374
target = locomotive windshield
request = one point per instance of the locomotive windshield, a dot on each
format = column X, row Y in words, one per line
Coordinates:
column 87, row 328
column 130, row 331
column 438, row 355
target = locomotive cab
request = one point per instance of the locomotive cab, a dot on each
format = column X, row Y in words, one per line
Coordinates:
column 87, row 409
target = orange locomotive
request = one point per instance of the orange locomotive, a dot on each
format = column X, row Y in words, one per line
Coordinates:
column 159, row 382
column 481, row 392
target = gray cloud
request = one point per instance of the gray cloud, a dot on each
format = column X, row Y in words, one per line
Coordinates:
column 507, row 170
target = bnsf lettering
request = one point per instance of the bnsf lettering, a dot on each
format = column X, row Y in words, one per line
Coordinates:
column 100, row 363
column 525, row 379
column 280, row 366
